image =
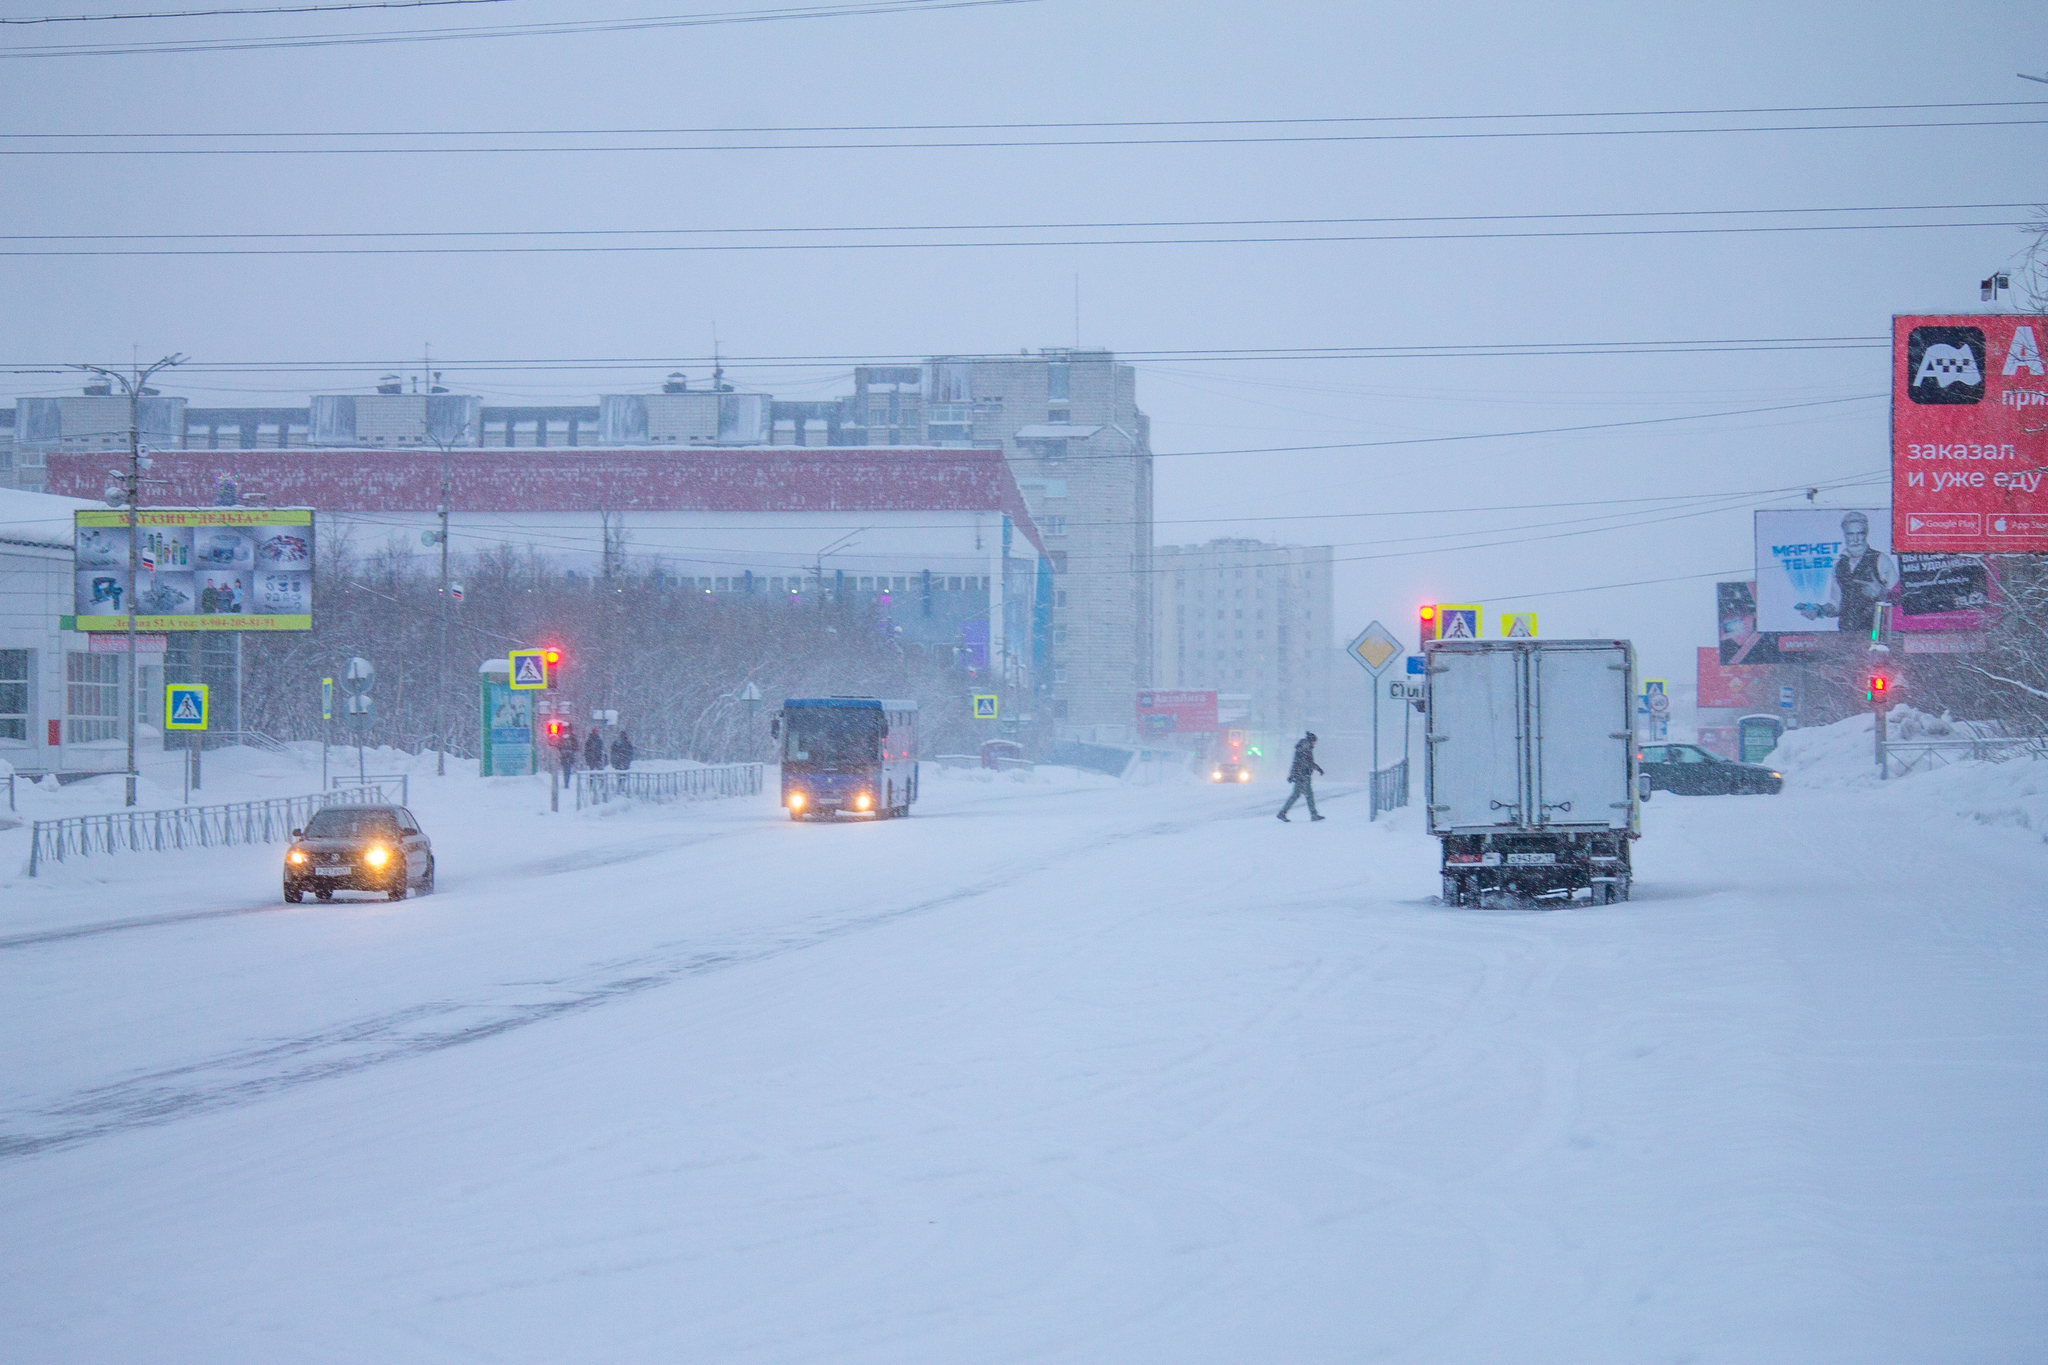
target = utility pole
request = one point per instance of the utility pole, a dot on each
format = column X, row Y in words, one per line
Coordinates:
column 128, row 493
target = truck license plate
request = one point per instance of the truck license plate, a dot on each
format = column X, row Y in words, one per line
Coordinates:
column 1531, row 859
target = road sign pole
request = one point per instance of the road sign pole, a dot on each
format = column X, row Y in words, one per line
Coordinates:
column 1374, row 803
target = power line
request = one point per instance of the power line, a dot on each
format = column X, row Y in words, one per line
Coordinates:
column 522, row 233
column 532, row 30
column 990, row 144
column 272, row 9
column 1464, row 351
column 1344, row 120
column 668, row 248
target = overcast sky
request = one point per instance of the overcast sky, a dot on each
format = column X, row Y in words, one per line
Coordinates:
column 1127, row 60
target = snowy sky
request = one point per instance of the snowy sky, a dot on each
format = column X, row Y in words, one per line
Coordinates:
column 1063, row 60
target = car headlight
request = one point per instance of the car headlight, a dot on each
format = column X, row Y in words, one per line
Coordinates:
column 1779, row 776
column 295, row 856
column 862, row 801
column 796, row 800
column 377, row 856
column 1217, row 776
column 1244, row 777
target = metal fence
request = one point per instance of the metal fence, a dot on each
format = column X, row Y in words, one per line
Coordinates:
column 596, row 787
column 1903, row 756
column 1389, row 788
column 382, row 780
column 181, row 827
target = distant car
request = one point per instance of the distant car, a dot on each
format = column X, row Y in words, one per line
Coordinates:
column 1691, row 771
column 359, row 848
column 1230, row 772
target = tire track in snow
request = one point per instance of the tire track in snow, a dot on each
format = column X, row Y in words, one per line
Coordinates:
column 232, row 1079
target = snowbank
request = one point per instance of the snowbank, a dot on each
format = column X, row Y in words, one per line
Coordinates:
column 1842, row 758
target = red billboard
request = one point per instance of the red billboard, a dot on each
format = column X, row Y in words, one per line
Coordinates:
column 1741, row 686
column 1969, row 434
column 1177, row 713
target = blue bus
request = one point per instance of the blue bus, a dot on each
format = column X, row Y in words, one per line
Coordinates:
column 856, row 755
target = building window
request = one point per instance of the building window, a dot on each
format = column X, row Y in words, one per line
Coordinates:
column 1055, row 526
column 14, row 690
column 1058, row 381
column 1059, row 673
column 92, row 697
column 1052, row 452
column 1059, row 597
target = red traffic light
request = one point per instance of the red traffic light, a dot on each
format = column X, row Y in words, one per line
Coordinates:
column 551, row 657
column 1426, row 617
column 1877, row 683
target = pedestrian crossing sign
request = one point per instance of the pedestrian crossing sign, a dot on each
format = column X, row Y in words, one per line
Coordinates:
column 1518, row 625
column 185, row 706
column 984, row 707
column 1458, row 623
column 529, row 670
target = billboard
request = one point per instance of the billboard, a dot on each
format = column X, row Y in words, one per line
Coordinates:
column 1945, row 592
column 198, row 568
column 1821, row 570
column 1177, row 713
column 1741, row 642
column 1745, row 687
column 1969, row 434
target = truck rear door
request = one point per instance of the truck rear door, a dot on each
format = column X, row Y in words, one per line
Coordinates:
column 1475, row 739
column 1581, row 716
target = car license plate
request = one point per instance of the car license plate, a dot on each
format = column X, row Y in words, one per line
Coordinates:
column 334, row 865
column 1531, row 859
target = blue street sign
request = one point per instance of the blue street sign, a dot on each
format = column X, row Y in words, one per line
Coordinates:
column 185, row 706
column 1417, row 665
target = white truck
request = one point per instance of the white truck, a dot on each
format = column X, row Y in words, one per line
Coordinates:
column 1530, row 768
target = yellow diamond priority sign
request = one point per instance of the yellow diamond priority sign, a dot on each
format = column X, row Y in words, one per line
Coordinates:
column 1375, row 648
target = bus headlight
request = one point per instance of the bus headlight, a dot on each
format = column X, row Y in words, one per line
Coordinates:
column 863, row 801
column 796, row 800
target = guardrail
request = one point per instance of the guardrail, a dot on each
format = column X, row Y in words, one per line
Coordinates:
column 1389, row 789
column 181, row 827
column 1904, row 756
column 595, row 788
column 376, row 780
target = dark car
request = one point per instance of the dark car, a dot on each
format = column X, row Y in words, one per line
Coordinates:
column 359, row 848
column 1691, row 771
column 1229, row 772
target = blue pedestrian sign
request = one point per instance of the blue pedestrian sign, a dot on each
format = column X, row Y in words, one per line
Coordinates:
column 984, row 707
column 185, row 706
column 529, row 670
column 1417, row 665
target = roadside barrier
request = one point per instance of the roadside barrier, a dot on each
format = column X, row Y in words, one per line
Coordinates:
column 181, row 827
column 1389, row 788
column 596, row 787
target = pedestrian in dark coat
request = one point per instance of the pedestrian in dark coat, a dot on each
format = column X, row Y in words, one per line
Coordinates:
column 565, row 753
column 1302, row 774
column 593, row 751
column 622, row 752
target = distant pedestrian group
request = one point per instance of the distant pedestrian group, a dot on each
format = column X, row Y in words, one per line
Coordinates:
column 1302, row 774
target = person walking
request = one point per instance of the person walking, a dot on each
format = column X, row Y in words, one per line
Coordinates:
column 593, row 751
column 622, row 751
column 1302, row 774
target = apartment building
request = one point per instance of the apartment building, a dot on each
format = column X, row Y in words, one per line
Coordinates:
column 1249, row 618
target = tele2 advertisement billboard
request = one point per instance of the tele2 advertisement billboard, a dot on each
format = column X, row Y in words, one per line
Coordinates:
column 1822, row 569
column 198, row 568
column 1969, row 434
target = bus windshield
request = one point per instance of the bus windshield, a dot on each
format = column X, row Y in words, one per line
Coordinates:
column 832, row 736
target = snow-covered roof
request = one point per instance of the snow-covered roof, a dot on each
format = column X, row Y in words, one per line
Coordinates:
column 41, row 519
column 569, row 479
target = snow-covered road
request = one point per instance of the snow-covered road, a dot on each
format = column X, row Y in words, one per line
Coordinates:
column 1057, row 1070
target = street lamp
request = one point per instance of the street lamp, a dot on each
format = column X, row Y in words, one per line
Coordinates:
column 127, row 492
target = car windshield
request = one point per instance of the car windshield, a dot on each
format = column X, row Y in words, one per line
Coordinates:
column 336, row 823
column 831, row 735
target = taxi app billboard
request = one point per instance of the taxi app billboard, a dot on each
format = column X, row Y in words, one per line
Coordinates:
column 1969, row 434
column 198, row 568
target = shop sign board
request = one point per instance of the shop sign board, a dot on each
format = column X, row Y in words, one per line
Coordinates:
column 1969, row 434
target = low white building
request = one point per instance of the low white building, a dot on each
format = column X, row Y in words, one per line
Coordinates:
column 63, row 698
